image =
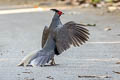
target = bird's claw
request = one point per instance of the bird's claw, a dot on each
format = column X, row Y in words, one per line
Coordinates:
column 52, row 62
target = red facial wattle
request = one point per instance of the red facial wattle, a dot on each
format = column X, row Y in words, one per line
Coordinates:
column 60, row 13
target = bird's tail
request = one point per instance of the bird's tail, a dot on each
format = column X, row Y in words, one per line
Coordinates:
column 42, row 58
column 25, row 61
column 40, row 61
column 37, row 58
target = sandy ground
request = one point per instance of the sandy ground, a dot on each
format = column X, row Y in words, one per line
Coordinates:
column 20, row 33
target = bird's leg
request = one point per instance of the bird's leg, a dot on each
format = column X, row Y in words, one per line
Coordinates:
column 52, row 61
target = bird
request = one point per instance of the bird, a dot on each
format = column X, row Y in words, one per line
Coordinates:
column 56, row 39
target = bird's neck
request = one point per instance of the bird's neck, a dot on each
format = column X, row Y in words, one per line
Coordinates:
column 50, row 44
column 55, row 21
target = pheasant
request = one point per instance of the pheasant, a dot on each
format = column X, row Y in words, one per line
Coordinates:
column 56, row 39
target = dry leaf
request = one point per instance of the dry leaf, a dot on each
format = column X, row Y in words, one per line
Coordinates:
column 49, row 77
column 118, row 63
column 93, row 76
column 116, row 72
column 27, row 72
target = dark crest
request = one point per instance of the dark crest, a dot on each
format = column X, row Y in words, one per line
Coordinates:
column 55, row 10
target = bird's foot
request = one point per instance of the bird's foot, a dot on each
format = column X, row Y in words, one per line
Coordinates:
column 52, row 62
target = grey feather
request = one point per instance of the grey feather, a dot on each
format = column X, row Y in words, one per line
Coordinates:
column 41, row 58
column 70, row 33
column 45, row 35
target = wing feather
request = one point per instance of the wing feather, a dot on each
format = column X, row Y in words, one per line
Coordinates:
column 69, row 34
column 45, row 35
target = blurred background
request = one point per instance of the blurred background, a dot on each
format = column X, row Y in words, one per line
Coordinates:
column 110, row 4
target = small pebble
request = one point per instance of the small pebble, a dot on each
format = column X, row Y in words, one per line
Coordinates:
column 118, row 34
column 107, row 29
column 49, row 77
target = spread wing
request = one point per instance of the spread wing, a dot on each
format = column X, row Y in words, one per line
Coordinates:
column 70, row 33
column 45, row 35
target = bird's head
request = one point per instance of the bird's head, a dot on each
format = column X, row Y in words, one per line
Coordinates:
column 57, row 11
